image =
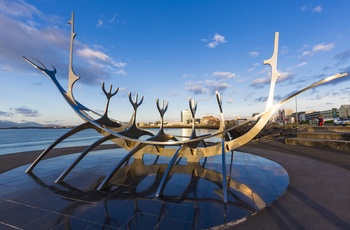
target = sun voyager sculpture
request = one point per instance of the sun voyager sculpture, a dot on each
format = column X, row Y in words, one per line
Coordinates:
column 193, row 148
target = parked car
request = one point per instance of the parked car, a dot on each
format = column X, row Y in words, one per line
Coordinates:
column 342, row 122
column 346, row 122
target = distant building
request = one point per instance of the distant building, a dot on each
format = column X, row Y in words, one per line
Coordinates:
column 344, row 111
column 285, row 116
column 210, row 120
column 300, row 116
column 312, row 116
column 186, row 116
column 330, row 114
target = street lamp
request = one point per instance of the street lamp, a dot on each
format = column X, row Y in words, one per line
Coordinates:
column 296, row 111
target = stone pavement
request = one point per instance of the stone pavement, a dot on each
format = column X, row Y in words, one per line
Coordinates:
column 318, row 196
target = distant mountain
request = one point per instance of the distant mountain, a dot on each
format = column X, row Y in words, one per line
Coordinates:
column 9, row 124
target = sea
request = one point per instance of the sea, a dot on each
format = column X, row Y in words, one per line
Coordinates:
column 23, row 140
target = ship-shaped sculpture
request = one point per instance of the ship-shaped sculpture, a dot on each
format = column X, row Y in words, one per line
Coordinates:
column 128, row 136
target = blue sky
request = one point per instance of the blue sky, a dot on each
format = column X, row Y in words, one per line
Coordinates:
column 171, row 50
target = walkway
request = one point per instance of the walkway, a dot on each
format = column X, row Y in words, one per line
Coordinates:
column 318, row 196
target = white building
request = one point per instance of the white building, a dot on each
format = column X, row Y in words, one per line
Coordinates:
column 329, row 115
column 344, row 111
column 285, row 116
column 186, row 116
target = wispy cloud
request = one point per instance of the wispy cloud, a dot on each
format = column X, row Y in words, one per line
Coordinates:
column 284, row 50
column 342, row 57
column 196, row 87
column 26, row 112
column 301, row 64
column 219, row 74
column 6, row 114
column 254, row 53
column 19, row 9
column 106, row 22
column 253, row 67
column 261, row 82
column 187, row 75
column 206, row 87
column 99, row 23
column 216, row 41
column 230, row 100
column 276, row 97
column 318, row 48
column 214, row 86
column 91, row 55
column 315, row 9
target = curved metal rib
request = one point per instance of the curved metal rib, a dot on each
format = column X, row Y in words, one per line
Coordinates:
column 82, row 155
column 167, row 171
column 119, row 165
column 223, row 150
column 224, row 179
column 59, row 140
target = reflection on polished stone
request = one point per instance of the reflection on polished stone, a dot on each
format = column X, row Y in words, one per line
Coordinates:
column 192, row 198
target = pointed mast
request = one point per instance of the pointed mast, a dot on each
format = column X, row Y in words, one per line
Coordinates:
column 274, row 73
column 72, row 77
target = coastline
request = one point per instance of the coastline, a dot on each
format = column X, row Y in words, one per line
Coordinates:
column 14, row 160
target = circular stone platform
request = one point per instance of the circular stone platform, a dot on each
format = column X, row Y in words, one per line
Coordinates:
column 192, row 198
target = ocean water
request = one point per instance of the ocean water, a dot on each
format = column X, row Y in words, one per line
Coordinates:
column 22, row 140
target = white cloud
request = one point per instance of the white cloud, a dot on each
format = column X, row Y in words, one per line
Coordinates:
column 19, row 9
column 214, row 86
column 196, row 87
column 302, row 64
column 88, row 53
column 27, row 112
column 316, row 9
column 99, row 23
column 220, row 74
column 206, row 87
column 43, row 38
column 261, row 82
column 284, row 50
column 216, row 41
column 230, row 100
column 113, row 19
column 323, row 47
column 6, row 114
column 107, row 22
column 99, row 58
column 251, row 69
column 187, row 75
column 254, row 54
column 318, row 48
column 284, row 76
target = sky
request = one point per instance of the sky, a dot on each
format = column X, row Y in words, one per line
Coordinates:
column 171, row 51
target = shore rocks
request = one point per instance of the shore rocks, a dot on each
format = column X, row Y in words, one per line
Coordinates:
column 268, row 133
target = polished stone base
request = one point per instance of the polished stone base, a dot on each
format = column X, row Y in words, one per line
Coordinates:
column 192, row 198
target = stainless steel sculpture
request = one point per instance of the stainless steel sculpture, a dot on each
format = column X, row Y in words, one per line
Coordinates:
column 128, row 136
